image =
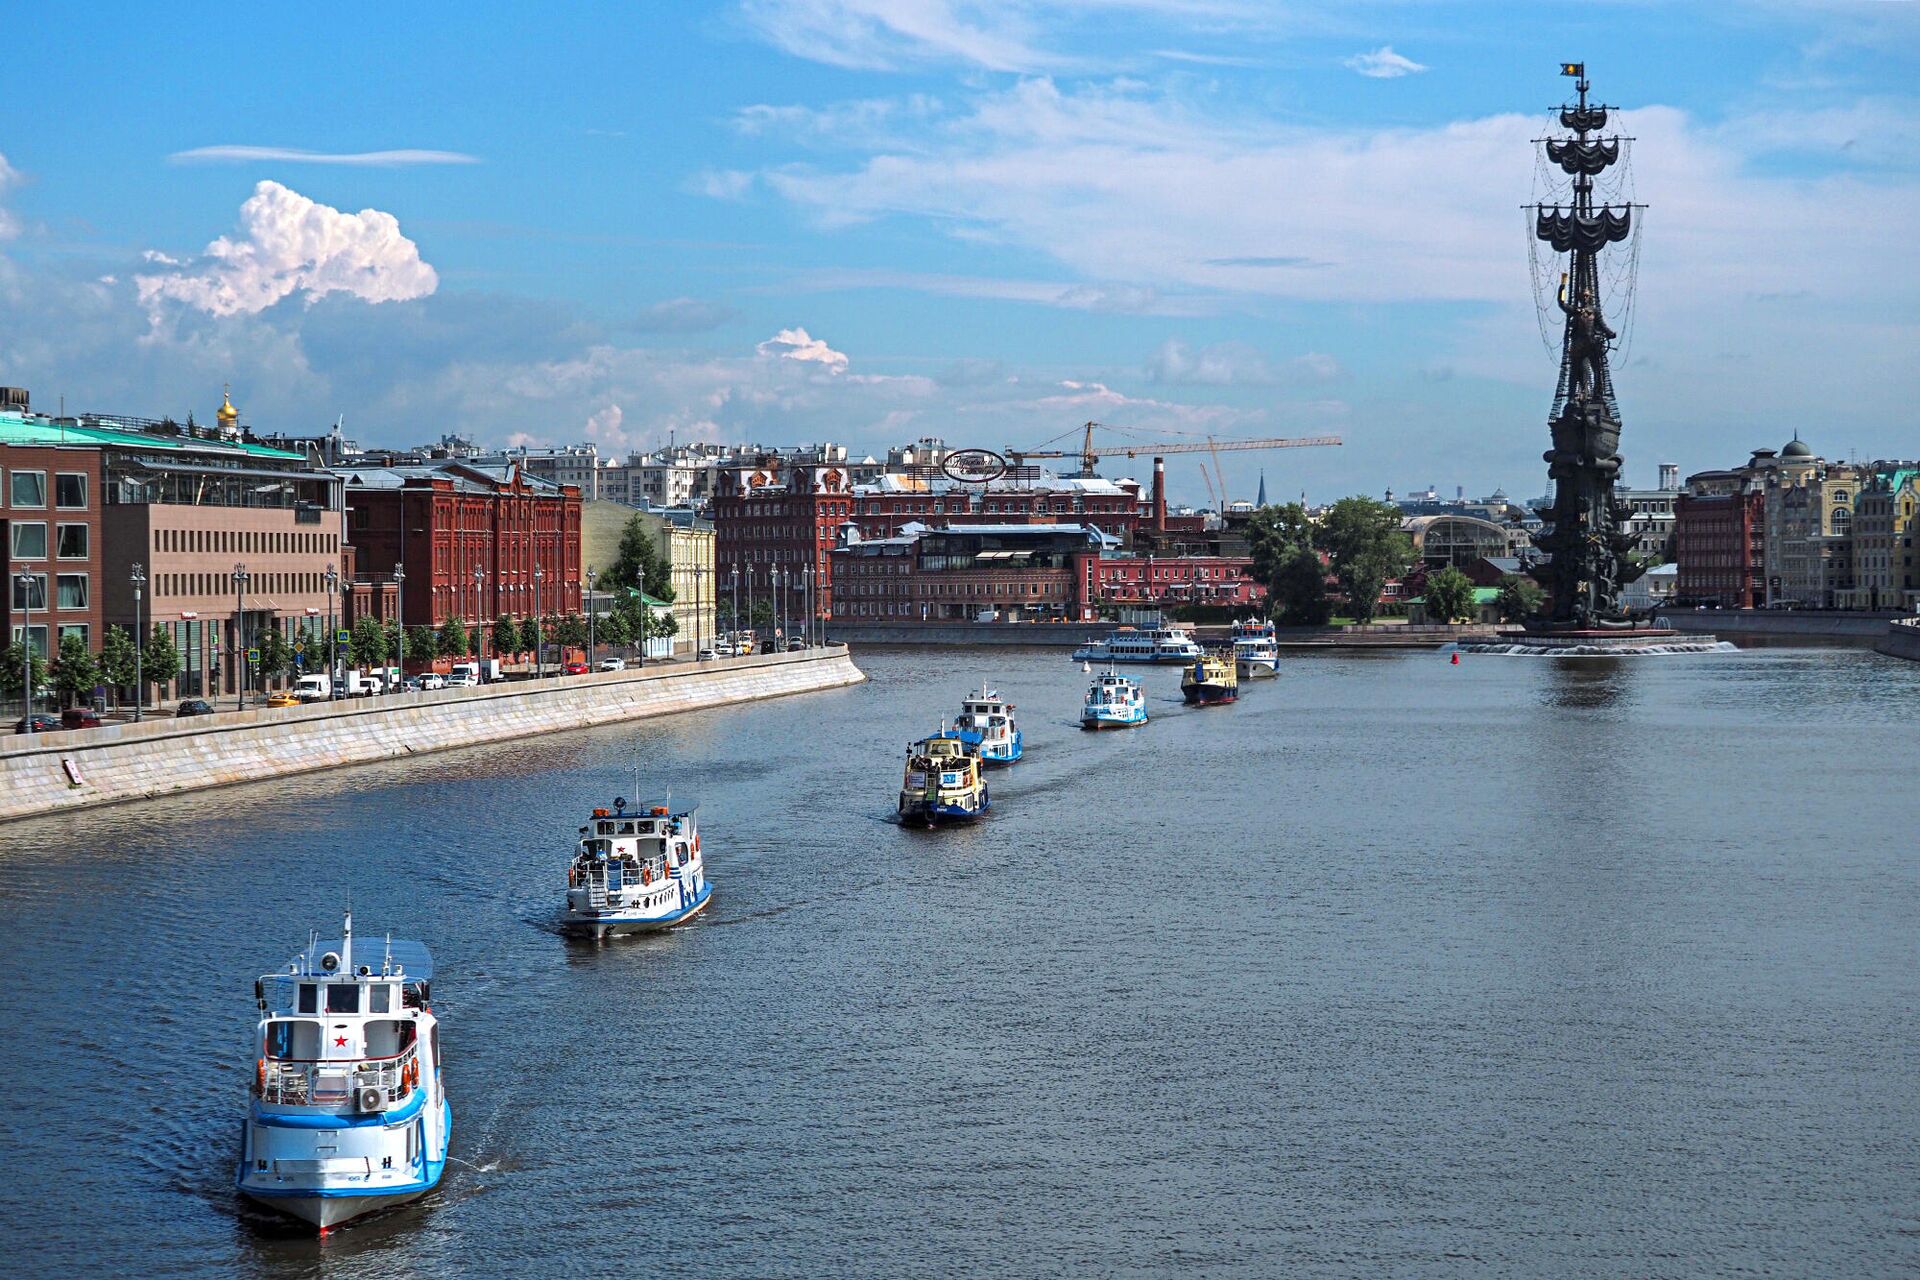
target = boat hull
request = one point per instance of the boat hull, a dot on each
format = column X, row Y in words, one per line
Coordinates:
column 329, row 1203
column 917, row 809
column 1111, row 722
column 1205, row 695
column 612, row 924
column 1258, row 668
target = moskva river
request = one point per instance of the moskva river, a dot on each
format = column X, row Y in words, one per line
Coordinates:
column 1396, row 968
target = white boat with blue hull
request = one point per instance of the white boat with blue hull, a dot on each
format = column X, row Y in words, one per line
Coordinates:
column 1256, row 648
column 986, row 724
column 1113, row 702
column 348, row 1112
column 1132, row 644
column 635, row 871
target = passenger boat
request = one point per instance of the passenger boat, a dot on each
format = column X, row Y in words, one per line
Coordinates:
column 1113, row 702
column 1211, row 681
column 1256, row 651
column 986, row 724
column 943, row 781
column 634, row 872
column 348, row 1113
column 1134, row 644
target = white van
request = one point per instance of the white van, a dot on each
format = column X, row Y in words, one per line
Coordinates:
column 314, row 687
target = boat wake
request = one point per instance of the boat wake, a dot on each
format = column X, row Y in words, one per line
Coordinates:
column 1656, row 649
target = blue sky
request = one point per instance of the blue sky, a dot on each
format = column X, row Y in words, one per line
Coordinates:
column 789, row 220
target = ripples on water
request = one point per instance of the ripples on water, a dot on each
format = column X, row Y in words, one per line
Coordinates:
column 1516, row 967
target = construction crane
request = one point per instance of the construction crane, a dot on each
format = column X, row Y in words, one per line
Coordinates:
column 1211, row 495
column 1090, row 457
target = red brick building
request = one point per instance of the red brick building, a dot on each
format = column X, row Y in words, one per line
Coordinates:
column 966, row 573
column 1168, row 580
column 1720, row 540
column 778, row 523
column 50, row 532
column 444, row 521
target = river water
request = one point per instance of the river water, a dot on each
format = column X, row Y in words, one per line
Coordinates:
column 1519, row 967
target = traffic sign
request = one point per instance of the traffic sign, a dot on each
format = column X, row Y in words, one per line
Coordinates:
column 342, row 636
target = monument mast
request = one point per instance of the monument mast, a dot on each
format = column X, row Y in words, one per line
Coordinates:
column 1586, row 543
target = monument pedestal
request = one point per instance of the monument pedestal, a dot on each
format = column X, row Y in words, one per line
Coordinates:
column 1551, row 643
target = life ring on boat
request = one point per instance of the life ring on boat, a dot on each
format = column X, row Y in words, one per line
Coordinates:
column 413, row 1073
column 696, row 842
column 570, row 875
column 646, row 875
column 260, row 1076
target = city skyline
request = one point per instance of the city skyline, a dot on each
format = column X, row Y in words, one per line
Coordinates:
column 865, row 223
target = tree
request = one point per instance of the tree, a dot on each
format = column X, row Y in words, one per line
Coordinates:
column 367, row 643
column 639, row 563
column 75, row 673
column 422, row 643
column 1272, row 535
column 1449, row 595
column 275, row 653
column 117, row 661
column 453, row 639
column 1519, row 598
column 1297, row 593
column 571, row 631
column 12, row 660
column 614, row 630
column 160, row 664
column 506, row 637
column 531, row 636
column 1366, row 549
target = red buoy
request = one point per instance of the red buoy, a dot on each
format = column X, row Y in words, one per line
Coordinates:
column 1456, row 659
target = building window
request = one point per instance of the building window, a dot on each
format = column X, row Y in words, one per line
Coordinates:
column 70, row 489
column 73, row 541
column 30, row 591
column 80, row 629
column 73, row 590
column 29, row 489
column 29, row 541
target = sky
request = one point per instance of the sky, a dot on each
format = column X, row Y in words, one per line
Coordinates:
column 788, row 221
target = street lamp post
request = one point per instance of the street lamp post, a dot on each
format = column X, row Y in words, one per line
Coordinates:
column 23, row 583
column 139, row 580
column 591, row 646
column 333, row 635
column 753, row 624
column 539, row 636
column 480, row 610
column 811, row 619
column 780, row 577
column 733, row 613
column 400, row 620
column 240, row 579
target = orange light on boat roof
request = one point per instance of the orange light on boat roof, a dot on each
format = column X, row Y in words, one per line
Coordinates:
column 599, row 813
column 659, row 811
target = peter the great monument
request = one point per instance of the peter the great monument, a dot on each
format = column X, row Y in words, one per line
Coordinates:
column 1586, row 543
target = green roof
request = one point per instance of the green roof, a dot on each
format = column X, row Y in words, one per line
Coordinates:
column 15, row 429
column 1481, row 595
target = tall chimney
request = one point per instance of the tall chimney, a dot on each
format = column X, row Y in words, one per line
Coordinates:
column 1159, row 495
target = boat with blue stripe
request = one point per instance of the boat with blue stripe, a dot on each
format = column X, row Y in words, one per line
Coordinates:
column 348, row 1113
column 943, row 781
column 986, row 724
column 636, row 871
column 1113, row 702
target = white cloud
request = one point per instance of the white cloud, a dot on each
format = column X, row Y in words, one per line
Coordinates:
column 294, row 155
column 797, row 344
column 603, row 427
column 288, row 244
column 1383, row 64
column 9, row 177
column 883, row 34
column 682, row 315
column 723, row 184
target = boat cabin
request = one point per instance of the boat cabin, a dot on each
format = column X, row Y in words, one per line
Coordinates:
column 330, row 1027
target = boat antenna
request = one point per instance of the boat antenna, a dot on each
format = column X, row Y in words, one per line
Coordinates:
column 346, row 943
column 386, row 961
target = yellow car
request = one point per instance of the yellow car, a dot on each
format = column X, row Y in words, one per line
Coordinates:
column 283, row 700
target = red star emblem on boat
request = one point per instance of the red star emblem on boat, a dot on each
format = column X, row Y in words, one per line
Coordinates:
column 339, row 1042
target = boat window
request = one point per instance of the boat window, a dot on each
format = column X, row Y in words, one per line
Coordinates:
column 343, row 997
column 289, row 1038
column 309, row 998
column 379, row 998
column 387, row 1037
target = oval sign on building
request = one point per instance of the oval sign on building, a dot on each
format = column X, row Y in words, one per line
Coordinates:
column 974, row 466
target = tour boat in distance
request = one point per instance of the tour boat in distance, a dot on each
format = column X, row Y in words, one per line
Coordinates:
column 1113, row 702
column 636, row 871
column 1211, row 681
column 348, row 1113
column 986, row 724
column 1256, row 651
column 943, row 782
column 1133, row 644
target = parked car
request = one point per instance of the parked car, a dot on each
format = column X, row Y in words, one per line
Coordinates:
column 42, row 723
column 706, row 655
column 194, row 707
column 613, row 664
column 576, row 668
column 412, row 684
column 795, row 644
column 463, row 680
column 79, row 718
column 284, row 700
column 433, row 680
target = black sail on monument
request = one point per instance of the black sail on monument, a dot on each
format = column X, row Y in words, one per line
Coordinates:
column 1575, row 156
column 1568, row 230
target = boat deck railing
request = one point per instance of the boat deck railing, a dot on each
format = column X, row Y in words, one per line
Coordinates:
column 597, row 882
column 310, row 1082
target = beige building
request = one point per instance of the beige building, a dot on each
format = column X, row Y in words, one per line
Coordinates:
column 1886, row 521
column 1808, row 521
column 687, row 543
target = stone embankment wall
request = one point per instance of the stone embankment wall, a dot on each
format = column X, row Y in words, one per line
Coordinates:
column 1071, row 635
column 1902, row 639
column 55, row 771
column 1779, row 622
